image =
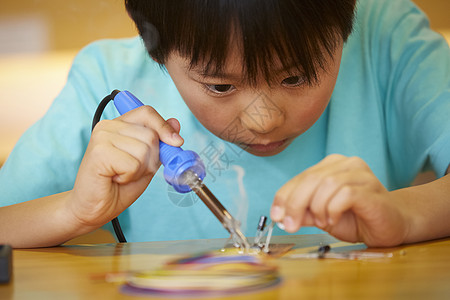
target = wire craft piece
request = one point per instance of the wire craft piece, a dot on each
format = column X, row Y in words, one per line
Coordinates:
column 261, row 243
column 209, row 274
column 232, row 269
column 261, row 231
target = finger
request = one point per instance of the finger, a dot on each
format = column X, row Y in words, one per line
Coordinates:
column 344, row 200
column 295, row 208
column 175, row 124
column 295, row 197
column 110, row 162
column 147, row 116
column 146, row 136
column 308, row 219
column 140, row 142
column 136, row 131
column 324, row 164
column 285, row 194
column 146, row 156
column 333, row 172
column 329, row 187
column 277, row 211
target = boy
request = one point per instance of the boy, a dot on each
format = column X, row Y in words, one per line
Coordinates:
column 263, row 90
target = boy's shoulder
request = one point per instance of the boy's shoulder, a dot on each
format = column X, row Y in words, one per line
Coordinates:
column 113, row 55
column 389, row 11
column 114, row 62
column 378, row 23
column 114, row 45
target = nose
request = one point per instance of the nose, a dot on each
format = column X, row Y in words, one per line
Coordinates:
column 262, row 115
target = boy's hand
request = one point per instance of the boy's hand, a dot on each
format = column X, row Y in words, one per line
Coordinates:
column 120, row 161
column 342, row 196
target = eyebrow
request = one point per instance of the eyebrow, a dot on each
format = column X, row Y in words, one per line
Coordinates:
column 216, row 75
column 223, row 76
column 237, row 77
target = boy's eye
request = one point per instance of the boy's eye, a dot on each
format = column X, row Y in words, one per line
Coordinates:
column 293, row 81
column 220, row 88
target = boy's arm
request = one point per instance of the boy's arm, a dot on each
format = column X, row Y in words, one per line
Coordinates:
column 427, row 209
column 41, row 222
column 119, row 163
column 342, row 196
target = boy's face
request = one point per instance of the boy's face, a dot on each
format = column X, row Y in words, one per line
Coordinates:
column 262, row 120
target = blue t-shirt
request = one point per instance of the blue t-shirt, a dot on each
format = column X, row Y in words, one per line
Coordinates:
column 390, row 106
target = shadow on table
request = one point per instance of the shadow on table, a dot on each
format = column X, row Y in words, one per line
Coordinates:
column 179, row 247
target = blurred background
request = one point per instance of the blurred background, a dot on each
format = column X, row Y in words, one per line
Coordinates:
column 39, row 39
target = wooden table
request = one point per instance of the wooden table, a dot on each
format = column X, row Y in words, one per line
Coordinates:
column 419, row 271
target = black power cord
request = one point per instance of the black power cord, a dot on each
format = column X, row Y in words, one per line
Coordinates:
column 98, row 114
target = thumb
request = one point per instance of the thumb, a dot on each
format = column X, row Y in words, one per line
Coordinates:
column 175, row 124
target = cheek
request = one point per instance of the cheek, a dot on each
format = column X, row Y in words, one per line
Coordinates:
column 310, row 106
column 317, row 98
column 213, row 116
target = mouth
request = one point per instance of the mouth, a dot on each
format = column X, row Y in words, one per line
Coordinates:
column 266, row 149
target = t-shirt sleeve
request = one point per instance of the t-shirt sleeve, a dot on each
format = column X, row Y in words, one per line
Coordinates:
column 415, row 69
column 46, row 158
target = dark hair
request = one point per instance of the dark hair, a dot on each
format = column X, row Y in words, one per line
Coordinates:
column 300, row 33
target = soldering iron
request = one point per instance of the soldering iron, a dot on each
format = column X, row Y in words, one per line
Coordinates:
column 183, row 170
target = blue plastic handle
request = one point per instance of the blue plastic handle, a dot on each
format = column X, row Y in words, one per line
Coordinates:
column 174, row 159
